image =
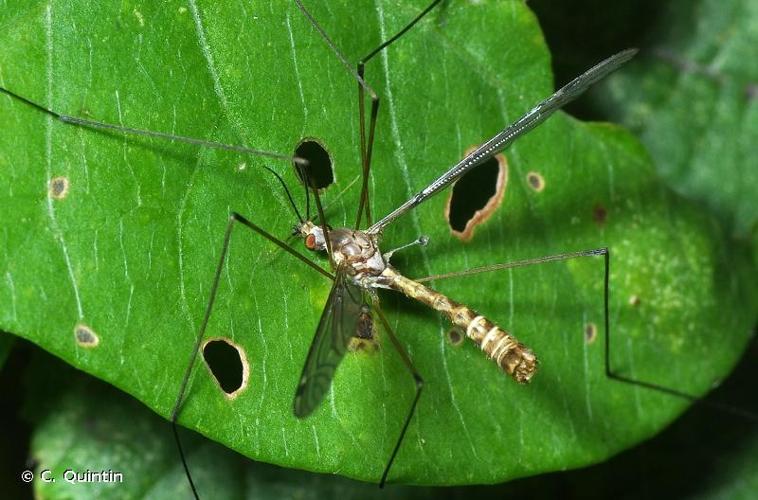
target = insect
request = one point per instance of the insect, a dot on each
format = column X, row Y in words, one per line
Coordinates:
column 121, row 150
column 361, row 268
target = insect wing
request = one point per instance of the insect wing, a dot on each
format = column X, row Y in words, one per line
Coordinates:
column 502, row 140
column 338, row 324
column 547, row 107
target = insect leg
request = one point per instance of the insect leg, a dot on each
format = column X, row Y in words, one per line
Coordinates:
column 364, row 88
column 416, row 379
column 98, row 125
column 233, row 219
column 367, row 149
column 609, row 371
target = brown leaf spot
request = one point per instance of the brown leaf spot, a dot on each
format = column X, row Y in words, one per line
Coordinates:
column 590, row 332
column 85, row 336
column 455, row 336
column 599, row 214
column 535, row 181
column 58, row 187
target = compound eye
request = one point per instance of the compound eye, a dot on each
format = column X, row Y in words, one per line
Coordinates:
column 310, row 242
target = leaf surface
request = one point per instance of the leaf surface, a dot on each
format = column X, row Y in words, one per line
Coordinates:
column 131, row 249
column 692, row 101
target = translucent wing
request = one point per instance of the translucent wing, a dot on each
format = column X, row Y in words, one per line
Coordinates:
column 502, row 140
column 338, row 324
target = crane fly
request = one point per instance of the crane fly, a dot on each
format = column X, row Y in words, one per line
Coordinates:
column 360, row 268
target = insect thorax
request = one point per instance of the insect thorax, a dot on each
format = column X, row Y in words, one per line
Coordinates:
column 356, row 250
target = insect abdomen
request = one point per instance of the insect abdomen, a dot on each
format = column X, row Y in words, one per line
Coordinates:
column 512, row 356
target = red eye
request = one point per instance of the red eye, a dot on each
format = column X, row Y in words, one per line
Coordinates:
column 310, row 242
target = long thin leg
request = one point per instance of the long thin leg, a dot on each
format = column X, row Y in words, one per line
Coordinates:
column 287, row 192
column 516, row 263
column 367, row 149
column 362, row 85
column 416, row 379
column 397, row 35
column 649, row 385
column 609, row 372
column 233, row 218
column 363, row 88
column 324, row 226
column 333, row 200
column 98, row 125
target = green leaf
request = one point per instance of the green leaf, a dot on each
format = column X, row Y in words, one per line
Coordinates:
column 87, row 427
column 130, row 251
column 82, row 424
column 691, row 100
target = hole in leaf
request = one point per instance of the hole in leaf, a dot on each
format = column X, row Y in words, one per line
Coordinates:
column 319, row 168
column 85, row 337
column 475, row 196
column 228, row 364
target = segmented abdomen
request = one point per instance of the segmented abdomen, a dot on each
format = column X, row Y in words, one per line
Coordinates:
column 511, row 355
